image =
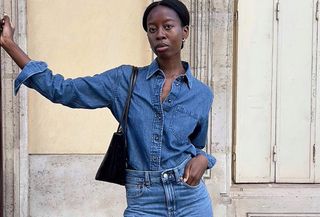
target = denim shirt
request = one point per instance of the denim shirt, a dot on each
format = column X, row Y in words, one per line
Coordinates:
column 160, row 135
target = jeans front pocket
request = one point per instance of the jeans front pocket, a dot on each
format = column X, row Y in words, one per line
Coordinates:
column 134, row 190
column 134, row 187
column 192, row 186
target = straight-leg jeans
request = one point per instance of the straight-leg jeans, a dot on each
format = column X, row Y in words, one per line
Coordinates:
column 164, row 193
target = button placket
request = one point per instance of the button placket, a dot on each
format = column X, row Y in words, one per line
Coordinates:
column 156, row 142
column 157, row 126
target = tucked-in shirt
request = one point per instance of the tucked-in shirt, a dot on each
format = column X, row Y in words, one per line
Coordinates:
column 160, row 134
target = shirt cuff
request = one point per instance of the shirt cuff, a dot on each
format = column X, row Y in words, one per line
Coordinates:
column 30, row 69
column 211, row 160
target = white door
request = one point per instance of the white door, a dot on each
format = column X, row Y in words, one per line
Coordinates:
column 253, row 96
column 294, row 92
column 276, row 98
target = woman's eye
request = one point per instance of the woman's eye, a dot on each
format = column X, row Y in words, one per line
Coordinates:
column 167, row 27
column 152, row 29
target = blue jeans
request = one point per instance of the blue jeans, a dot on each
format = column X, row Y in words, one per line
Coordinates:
column 163, row 193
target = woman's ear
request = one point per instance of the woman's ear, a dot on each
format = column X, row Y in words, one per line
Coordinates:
column 185, row 32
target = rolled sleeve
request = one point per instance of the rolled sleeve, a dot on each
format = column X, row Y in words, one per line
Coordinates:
column 32, row 68
column 211, row 160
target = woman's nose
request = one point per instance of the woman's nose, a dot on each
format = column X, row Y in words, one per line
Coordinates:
column 160, row 34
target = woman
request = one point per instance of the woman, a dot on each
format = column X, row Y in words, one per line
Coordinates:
column 168, row 116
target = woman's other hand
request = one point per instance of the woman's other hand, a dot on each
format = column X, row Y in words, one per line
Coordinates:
column 195, row 169
column 7, row 31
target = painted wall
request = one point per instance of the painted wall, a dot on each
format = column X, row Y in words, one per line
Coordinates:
column 80, row 38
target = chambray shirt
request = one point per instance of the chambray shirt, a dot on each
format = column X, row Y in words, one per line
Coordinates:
column 160, row 135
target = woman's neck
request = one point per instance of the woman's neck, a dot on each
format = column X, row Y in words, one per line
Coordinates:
column 172, row 67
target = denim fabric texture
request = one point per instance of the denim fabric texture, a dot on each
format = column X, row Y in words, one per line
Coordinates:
column 163, row 193
column 160, row 135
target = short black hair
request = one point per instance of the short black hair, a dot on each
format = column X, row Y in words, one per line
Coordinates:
column 175, row 5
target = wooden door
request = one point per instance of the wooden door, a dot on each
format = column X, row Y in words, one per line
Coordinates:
column 294, row 92
column 253, row 92
column 277, row 92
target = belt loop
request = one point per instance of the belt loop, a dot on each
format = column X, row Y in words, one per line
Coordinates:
column 147, row 179
column 177, row 174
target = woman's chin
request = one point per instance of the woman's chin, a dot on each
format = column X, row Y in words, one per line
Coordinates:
column 163, row 55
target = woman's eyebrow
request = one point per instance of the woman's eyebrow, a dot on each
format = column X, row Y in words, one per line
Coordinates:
column 166, row 20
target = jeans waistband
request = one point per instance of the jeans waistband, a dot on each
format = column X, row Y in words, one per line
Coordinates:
column 148, row 177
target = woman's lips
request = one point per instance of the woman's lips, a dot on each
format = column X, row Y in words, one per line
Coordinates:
column 161, row 48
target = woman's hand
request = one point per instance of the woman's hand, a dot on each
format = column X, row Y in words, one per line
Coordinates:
column 7, row 31
column 7, row 42
column 195, row 169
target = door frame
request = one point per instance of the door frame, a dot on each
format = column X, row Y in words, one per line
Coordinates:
column 14, row 160
column 1, row 148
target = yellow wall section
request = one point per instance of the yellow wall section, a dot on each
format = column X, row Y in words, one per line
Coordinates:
column 78, row 38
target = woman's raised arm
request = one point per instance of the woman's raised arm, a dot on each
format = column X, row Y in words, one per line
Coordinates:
column 8, row 44
column 88, row 92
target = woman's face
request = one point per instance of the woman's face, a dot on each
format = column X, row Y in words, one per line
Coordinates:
column 165, row 33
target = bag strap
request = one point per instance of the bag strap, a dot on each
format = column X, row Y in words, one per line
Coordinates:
column 124, row 116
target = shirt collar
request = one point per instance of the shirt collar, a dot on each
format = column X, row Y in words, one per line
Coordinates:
column 154, row 68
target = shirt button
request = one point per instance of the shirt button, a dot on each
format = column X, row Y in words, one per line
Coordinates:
column 156, row 137
column 177, row 84
column 158, row 115
column 165, row 176
column 169, row 100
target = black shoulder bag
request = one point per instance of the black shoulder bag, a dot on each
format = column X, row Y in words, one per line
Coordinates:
column 114, row 164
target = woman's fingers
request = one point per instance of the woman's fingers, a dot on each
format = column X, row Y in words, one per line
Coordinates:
column 186, row 173
column 5, row 19
column 7, row 22
column 1, row 24
column 7, row 30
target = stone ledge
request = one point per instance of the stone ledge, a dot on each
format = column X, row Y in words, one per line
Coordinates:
column 275, row 190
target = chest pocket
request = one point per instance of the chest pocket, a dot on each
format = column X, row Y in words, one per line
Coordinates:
column 183, row 123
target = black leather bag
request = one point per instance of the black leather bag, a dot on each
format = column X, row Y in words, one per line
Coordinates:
column 113, row 166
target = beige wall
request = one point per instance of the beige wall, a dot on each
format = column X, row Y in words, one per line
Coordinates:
column 78, row 38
